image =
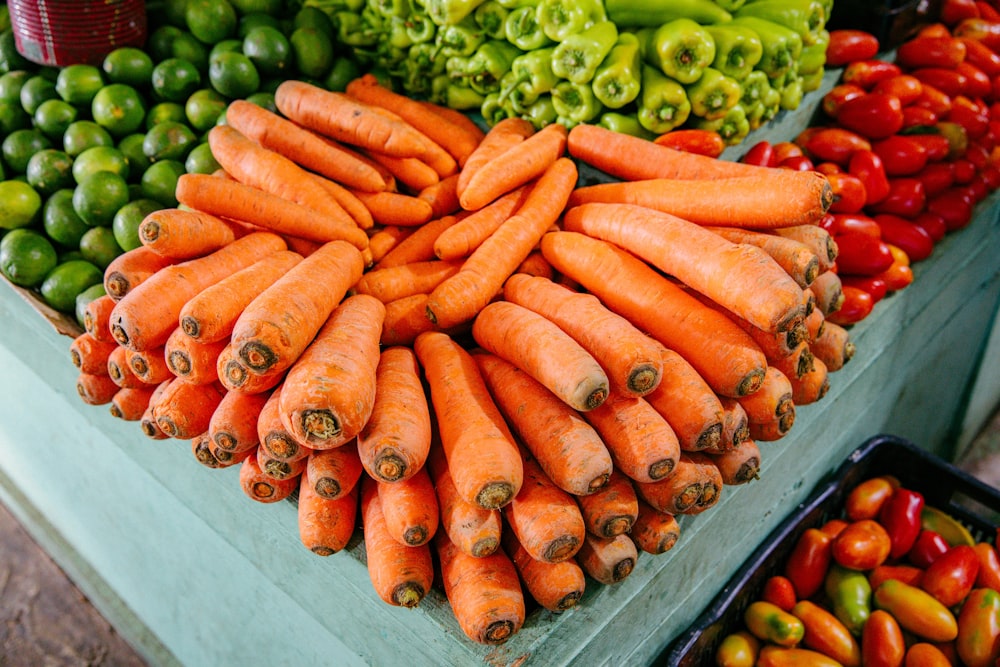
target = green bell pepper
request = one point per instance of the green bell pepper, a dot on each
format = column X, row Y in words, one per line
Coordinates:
column 530, row 75
column 771, row 103
column 713, row 94
column 561, row 18
column 782, row 46
column 541, row 112
column 575, row 103
column 806, row 17
column 459, row 39
column 390, row 8
column 680, row 48
column 490, row 17
column 460, row 97
column 450, row 12
column 419, row 27
column 423, row 55
column 354, row 31
column 577, row 57
column 792, row 92
column 494, row 110
column 814, row 81
column 813, row 57
column 624, row 123
column 753, row 88
column 663, row 103
column 733, row 126
column 516, row 4
column 619, row 77
column 523, row 29
column 489, row 63
column 652, row 13
column 730, row 5
column 738, row 49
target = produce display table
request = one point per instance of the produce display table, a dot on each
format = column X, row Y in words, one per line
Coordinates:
column 193, row 572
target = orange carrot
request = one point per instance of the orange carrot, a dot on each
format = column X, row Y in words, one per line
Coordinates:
column 536, row 265
column 233, row 426
column 687, row 402
column 90, row 355
column 96, row 388
column 417, row 246
column 231, row 199
column 775, row 429
column 772, row 400
column 679, row 492
column 184, row 234
column 395, row 282
column 722, row 353
column 462, row 123
column 630, row 358
column 329, row 392
column 401, row 575
column 149, row 365
column 541, row 349
column 120, row 371
column 273, row 436
column 413, row 174
column 334, row 472
column 473, row 529
column 277, row 468
column 773, row 344
column 237, row 376
column 202, row 451
column 612, row 510
column 396, row 439
column 184, row 410
column 655, row 532
column 608, row 560
column 325, row 526
column 460, row 239
column 146, row 316
column 405, row 319
column 735, row 426
column 387, row 238
column 740, row 464
column 485, row 593
column 396, row 208
column 503, row 135
column 306, row 148
column 460, row 297
column 815, row 237
column 131, row 268
column 442, row 196
column 833, row 346
column 410, row 507
column 192, row 360
column 711, row 488
column 262, row 488
column 482, row 457
column 95, row 318
column 302, row 246
column 209, row 316
column 546, row 520
column 811, row 385
column 815, row 323
column 275, row 328
column 796, row 364
column 520, row 164
column 224, row 457
column 555, row 586
column 568, row 449
column 742, row 278
column 796, row 258
column 828, row 291
column 347, row 200
column 129, row 403
column 147, row 423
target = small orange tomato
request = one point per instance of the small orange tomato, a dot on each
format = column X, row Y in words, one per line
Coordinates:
column 827, row 634
column 865, row 500
column 923, row 654
column 834, row 526
column 978, row 641
column 780, row 591
column 861, row 545
column 882, row 643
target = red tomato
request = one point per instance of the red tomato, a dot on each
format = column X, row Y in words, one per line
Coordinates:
column 936, row 145
column 761, row 154
column 983, row 57
column 963, row 171
column 899, row 274
column 867, row 166
column 838, row 95
column 969, row 115
column 933, row 224
column 906, row 198
column 786, row 149
column 906, row 87
column 866, row 73
column 900, row 516
column 954, row 206
column 933, row 99
column 952, row 575
column 861, row 545
column 874, row 285
column 908, row 574
column 989, row 566
column 936, row 177
column 857, row 306
column 953, row 11
column 882, row 643
column 797, row 163
column 915, row 116
column 808, row 562
column 928, row 51
column 901, row 155
column 778, row 590
column 848, row 193
column 936, row 30
column 949, row 81
column 844, row 223
column 834, row 526
column 875, row 115
column 848, row 45
column 977, row 82
column 902, row 233
column 701, row 142
column 928, row 548
column 988, row 11
column 835, row 144
column 861, row 254
column 865, row 499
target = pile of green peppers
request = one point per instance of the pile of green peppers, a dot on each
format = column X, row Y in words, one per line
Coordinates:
column 642, row 67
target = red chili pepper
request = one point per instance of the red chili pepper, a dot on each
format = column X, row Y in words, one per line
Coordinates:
column 905, row 86
column 901, row 518
column 954, row 206
column 953, row 11
column 848, row 193
column 875, row 115
column 949, row 81
column 927, row 548
column 839, row 94
column 861, row 223
column 980, row 55
column 987, row 11
column 906, row 198
column 904, row 234
column 937, row 177
column 899, row 274
column 952, row 575
column 857, row 306
column 933, row 224
column 761, row 154
column 835, row 144
column 808, row 562
column 970, row 116
column 901, row 155
column 861, row 254
column 848, row 45
column 866, row 73
column 928, row 51
column 867, row 166
column 874, row 285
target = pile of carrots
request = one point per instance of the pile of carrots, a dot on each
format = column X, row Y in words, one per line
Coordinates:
column 436, row 333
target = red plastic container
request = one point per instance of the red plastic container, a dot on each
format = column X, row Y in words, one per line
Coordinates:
column 67, row 32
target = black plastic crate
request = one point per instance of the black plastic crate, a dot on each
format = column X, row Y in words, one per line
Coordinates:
column 967, row 499
column 892, row 21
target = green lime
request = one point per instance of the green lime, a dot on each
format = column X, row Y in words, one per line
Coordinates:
column 13, row 117
column 226, row 45
column 174, row 79
column 265, row 100
column 165, row 111
column 77, row 84
column 174, row 12
column 36, row 90
column 160, row 181
column 314, row 17
column 131, row 147
column 84, row 298
column 129, row 65
column 99, row 246
column 19, row 204
column 344, row 70
column 20, row 145
column 168, row 141
column 125, row 224
column 61, row 221
column 211, row 21
column 98, row 197
column 200, row 160
column 251, row 20
column 202, row 109
column 160, row 42
column 313, row 51
column 118, row 108
column 53, row 117
column 187, row 47
column 268, row 49
column 11, row 83
column 10, row 58
column 68, row 279
column 233, row 75
column 70, row 255
column 50, row 170
column 100, row 158
column 26, row 257
column 258, row 7
column 84, row 134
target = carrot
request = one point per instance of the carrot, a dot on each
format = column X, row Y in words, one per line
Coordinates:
column 95, row 318
column 277, row 468
column 412, row 173
column 410, row 507
column 712, row 484
column 275, row 328
column 693, row 410
column 462, row 123
column 828, row 291
column 192, row 360
column 735, row 426
column 555, row 586
column 184, row 410
column 815, row 237
column 442, row 196
column 147, row 423
column 773, row 344
column 568, row 449
column 119, row 370
column 630, row 358
column 456, row 137
column 184, row 234
column 546, row 520
column 608, row 560
column 202, row 451
column 722, row 353
column 302, row 246
column 395, row 282
column 237, row 376
column 131, row 268
column 329, row 392
column 417, row 246
column 224, row 457
column 774, row 429
column 396, row 208
column 386, row 238
column 233, row 426
column 334, row 472
column 396, row 439
column 654, row 532
column 264, row 489
column 815, row 323
column 89, row 354
column 306, row 148
column 742, row 278
column 401, row 575
column 347, row 200
column 611, row 510
column 536, row 265
column 460, row 297
column 405, row 319
column 772, row 400
column 740, row 464
column 796, row 258
column 521, row 163
column 473, row 529
column 232, row 199
column 541, row 349
column 273, row 436
column 833, row 346
column 503, row 135
column 96, row 388
column 325, row 526
column 679, row 492
column 148, row 314
column 209, row 316
column 482, row 457
column 460, row 239
column 346, row 119
column 129, row 403
column 641, row 442
column 796, row 364
column 811, row 385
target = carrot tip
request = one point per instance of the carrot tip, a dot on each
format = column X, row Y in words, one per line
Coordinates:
column 561, row 548
column 568, row 601
column 485, row 547
column 277, row 469
column 320, row 424
column 149, row 429
column 498, row 632
column 599, row 482
column 751, row 382
column 408, row 594
column 179, row 362
column 389, row 467
column 280, row 446
column 495, row 495
column 622, row 569
column 662, row 468
column 323, row 551
column 116, row 285
column 644, row 379
column 415, row 536
column 74, row 356
column 327, row 487
column 620, row 525
column 258, row 356
column 119, row 334
column 262, row 490
column 190, row 326
column 224, row 441
column 596, row 397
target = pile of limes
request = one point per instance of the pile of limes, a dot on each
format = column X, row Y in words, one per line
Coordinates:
column 88, row 150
